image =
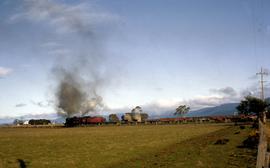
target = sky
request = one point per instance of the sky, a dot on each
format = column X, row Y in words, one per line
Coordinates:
column 157, row 54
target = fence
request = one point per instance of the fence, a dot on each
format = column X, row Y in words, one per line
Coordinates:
column 263, row 154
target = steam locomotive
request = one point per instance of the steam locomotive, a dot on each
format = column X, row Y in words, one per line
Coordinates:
column 86, row 120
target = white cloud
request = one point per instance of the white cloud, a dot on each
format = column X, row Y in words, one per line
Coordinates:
column 20, row 105
column 214, row 98
column 47, row 103
column 55, row 49
column 227, row 91
column 81, row 18
column 5, row 71
column 50, row 44
column 208, row 101
column 59, row 52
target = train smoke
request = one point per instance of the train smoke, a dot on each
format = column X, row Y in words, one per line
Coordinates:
column 80, row 78
column 76, row 33
column 74, row 95
column 80, row 73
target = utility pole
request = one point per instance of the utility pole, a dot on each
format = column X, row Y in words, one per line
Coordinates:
column 262, row 74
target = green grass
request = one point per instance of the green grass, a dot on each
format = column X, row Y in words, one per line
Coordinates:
column 121, row 146
column 202, row 152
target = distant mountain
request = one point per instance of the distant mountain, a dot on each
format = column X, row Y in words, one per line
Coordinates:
column 50, row 116
column 224, row 109
column 6, row 121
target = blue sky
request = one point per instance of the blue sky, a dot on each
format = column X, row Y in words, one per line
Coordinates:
column 154, row 53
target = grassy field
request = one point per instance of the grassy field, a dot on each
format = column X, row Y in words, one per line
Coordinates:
column 124, row 146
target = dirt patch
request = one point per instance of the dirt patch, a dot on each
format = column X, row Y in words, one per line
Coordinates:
column 222, row 141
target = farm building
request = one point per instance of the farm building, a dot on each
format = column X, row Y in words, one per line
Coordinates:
column 136, row 115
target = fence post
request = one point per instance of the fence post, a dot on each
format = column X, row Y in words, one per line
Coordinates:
column 266, row 165
column 262, row 156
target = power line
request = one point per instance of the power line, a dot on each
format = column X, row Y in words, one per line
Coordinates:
column 262, row 73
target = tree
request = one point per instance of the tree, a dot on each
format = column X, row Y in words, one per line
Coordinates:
column 181, row 110
column 113, row 118
column 39, row 122
column 137, row 109
column 144, row 116
column 18, row 122
column 252, row 105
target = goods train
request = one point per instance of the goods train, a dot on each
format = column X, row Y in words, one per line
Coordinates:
column 87, row 120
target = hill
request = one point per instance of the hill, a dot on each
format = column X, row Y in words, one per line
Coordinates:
column 224, row 109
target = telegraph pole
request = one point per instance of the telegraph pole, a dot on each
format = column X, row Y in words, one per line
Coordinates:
column 262, row 74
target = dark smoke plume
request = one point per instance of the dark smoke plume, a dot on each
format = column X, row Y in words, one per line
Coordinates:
column 74, row 95
column 69, row 96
